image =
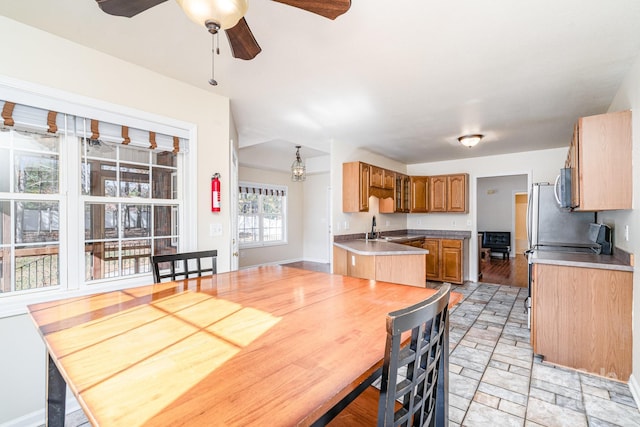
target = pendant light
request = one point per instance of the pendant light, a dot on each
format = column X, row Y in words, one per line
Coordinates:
column 298, row 170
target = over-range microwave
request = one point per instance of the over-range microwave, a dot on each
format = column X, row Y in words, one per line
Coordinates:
column 563, row 188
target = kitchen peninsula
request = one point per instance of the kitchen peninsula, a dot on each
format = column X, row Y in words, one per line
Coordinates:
column 380, row 260
column 403, row 256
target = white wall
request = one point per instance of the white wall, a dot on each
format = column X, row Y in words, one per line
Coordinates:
column 316, row 218
column 64, row 67
column 292, row 250
column 496, row 201
column 628, row 97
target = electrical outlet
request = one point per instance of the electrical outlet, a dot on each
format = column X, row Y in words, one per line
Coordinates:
column 419, row 222
column 453, row 222
column 346, row 225
column 469, row 222
column 626, row 232
column 387, row 223
column 215, row 229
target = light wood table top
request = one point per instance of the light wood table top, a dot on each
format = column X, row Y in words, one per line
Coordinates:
column 271, row 346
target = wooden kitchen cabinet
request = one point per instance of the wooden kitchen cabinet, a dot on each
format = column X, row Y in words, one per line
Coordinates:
column 448, row 193
column 432, row 268
column 444, row 263
column 355, row 187
column 402, row 193
column 600, row 158
column 451, row 260
column 381, row 178
column 582, row 318
column 419, row 194
column 457, row 194
column 438, row 193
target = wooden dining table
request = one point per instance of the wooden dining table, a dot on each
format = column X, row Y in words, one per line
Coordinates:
column 262, row 346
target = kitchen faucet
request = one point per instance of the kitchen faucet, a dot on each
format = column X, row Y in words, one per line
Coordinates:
column 373, row 227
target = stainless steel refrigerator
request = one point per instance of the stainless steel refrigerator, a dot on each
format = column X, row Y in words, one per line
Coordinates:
column 551, row 228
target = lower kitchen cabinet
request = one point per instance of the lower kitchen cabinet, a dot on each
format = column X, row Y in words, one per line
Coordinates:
column 444, row 262
column 581, row 318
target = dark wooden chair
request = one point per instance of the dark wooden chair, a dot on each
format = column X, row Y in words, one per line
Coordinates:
column 183, row 265
column 418, row 397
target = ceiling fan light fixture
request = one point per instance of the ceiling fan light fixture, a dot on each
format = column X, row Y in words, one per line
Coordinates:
column 225, row 13
column 298, row 169
column 470, row 140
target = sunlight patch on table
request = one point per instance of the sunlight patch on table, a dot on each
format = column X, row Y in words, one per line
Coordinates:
column 244, row 326
column 181, row 367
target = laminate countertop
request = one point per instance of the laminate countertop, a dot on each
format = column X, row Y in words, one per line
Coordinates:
column 604, row 262
column 379, row 247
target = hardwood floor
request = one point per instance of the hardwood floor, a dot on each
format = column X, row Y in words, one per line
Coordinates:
column 512, row 271
column 308, row 265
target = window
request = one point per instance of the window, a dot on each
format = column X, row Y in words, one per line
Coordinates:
column 29, row 210
column 130, row 208
column 84, row 202
column 261, row 214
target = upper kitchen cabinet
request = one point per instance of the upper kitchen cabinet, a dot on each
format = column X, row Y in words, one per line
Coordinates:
column 600, row 158
column 457, row 194
column 419, row 194
column 448, row 193
column 402, row 193
column 381, row 178
column 438, row 193
column 355, row 187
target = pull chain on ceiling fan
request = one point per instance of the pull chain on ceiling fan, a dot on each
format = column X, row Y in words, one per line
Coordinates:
column 227, row 15
column 215, row 50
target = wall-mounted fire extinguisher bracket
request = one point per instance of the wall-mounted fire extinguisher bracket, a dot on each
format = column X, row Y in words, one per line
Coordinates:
column 215, row 192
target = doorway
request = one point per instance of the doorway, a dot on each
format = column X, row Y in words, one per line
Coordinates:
column 502, row 206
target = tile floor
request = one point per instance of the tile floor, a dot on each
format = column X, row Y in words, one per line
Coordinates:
column 496, row 381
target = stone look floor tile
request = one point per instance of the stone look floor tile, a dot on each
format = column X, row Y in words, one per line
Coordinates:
column 481, row 415
column 611, row 411
column 547, row 414
column 508, row 380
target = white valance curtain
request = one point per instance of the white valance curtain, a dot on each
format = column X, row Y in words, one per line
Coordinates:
column 33, row 119
column 265, row 189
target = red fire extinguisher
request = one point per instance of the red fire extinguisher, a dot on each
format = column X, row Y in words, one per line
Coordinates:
column 215, row 193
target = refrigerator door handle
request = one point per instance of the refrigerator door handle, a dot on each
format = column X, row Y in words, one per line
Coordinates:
column 556, row 190
column 529, row 218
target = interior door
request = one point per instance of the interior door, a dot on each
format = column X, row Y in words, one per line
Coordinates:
column 233, row 204
column 520, row 221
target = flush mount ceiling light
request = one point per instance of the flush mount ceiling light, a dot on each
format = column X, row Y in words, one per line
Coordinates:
column 470, row 140
column 298, row 170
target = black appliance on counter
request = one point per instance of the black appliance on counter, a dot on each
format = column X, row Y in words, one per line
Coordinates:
column 600, row 234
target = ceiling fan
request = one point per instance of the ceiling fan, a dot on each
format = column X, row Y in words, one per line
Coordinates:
column 227, row 15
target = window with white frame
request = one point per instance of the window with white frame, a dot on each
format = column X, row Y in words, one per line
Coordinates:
column 120, row 183
column 262, row 214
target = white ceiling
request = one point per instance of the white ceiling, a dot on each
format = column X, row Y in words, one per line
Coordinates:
column 403, row 78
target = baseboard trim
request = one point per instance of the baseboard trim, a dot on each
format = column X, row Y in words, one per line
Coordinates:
column 36, row 418
column 635, row 389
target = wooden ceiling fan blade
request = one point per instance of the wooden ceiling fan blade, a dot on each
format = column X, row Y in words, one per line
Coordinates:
column 329, row 8
column 127, row 8
column 243, row 44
